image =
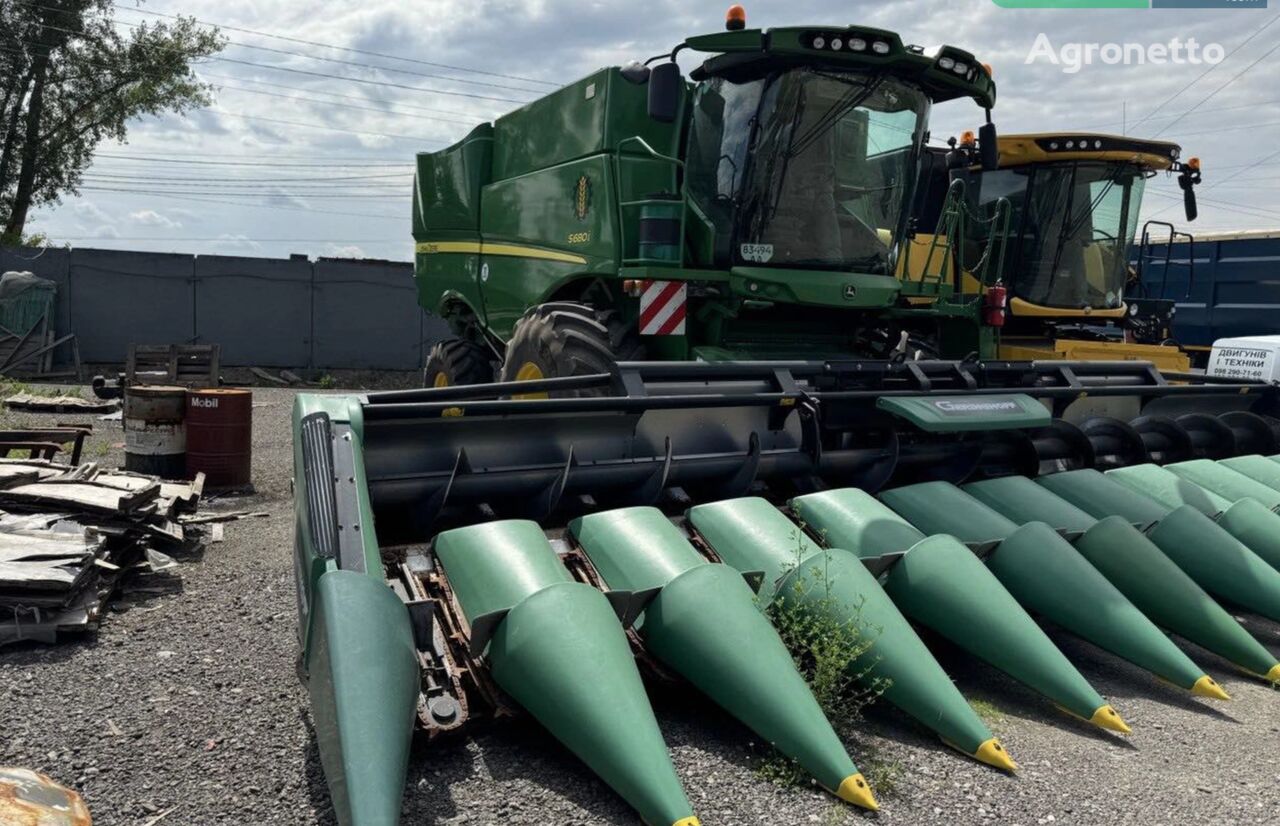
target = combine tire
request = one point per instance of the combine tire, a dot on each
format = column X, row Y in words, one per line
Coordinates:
column 564, row 338
column 457, row 361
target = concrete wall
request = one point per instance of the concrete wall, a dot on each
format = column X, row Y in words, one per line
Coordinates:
column 266, row 312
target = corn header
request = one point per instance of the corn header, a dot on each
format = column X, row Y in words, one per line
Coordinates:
column 461, row 552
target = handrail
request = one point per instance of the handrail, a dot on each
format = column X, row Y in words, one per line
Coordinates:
column 649, row 150
column 647, row 153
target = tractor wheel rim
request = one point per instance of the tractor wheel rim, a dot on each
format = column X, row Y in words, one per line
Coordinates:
column 441, row 380
column 529, row 372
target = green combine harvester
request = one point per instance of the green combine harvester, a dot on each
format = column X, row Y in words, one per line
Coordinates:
column 757, row 212
column 463, row 552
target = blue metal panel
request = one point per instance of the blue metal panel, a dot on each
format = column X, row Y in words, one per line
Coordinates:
column 367, row 317
column 1235, row 290
column 258, row 309
column 120, row 298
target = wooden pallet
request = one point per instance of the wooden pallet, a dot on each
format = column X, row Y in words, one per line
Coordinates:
column 186, row 365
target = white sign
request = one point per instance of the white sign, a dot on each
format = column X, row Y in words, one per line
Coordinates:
column 1251, row 359
column 759, row 253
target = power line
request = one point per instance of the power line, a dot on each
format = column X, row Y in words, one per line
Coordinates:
column 402, row 176
column 359, row 98
column 279, row 68
column 261, row 187
column 1230, row 128
column 1233, row 79
column 384, row 191
column 225, row 86
column 1169, row 99
column 250, row 205
column 347, row 49
column 147, row 190
column 198, row 160
column 1229, row 206
column 1233, row 175
column 385, row 83
column 1166, row 117
column 234, row 237
column 322, row 126
column 358, row 64
column 354, row 63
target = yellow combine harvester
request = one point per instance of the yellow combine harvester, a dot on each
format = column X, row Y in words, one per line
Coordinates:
column 1063, row 256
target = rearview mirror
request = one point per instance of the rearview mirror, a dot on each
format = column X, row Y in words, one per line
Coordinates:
column 1188, row 177
column 988, row 147
column 665, row 85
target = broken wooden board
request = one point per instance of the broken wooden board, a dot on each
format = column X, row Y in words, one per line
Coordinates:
column 17, row 546
column 77, row 496
column 59, row 404
column 184, row 495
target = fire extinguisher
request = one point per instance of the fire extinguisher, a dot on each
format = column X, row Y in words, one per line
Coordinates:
column 994, row 304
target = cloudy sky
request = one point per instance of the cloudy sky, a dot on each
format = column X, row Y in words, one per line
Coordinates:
column 308, row 148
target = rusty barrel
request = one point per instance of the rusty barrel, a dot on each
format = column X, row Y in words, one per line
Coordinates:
column 220, row 436
column 155, row 439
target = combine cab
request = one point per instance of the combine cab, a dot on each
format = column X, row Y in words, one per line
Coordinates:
column 1063, row 251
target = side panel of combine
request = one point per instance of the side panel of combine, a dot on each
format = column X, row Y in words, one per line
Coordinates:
column 446, row 221
column 542, row 229
column 564, row 167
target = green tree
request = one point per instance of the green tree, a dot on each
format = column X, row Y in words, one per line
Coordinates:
column 71, row 80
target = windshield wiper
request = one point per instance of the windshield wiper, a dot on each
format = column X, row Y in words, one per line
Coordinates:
column 769, row 182
column 849, row 101
column 1071, row 227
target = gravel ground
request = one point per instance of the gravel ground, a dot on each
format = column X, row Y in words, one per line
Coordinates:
column 185, row 709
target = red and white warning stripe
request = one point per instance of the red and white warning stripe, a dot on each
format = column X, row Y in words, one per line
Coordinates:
column 662, row 308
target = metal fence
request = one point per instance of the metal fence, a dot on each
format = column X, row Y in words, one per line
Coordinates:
column 267, row 312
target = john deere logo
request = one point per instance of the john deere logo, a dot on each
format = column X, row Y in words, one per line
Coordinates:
column 850, row 292
column 582, row 198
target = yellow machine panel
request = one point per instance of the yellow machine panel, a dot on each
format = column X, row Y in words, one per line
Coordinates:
column 1164, row 358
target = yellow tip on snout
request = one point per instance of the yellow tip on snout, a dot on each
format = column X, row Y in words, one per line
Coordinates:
column 993, row 754
column 854, row 789
column 687, row 821
column 1274, row 674
column 1106, row 717
column 1206, row 687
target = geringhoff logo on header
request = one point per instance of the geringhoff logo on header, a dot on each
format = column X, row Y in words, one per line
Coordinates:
column 968, row 406
column 1132, row 4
